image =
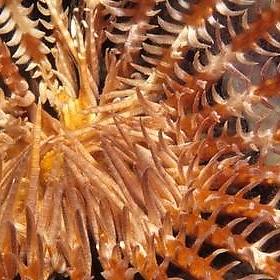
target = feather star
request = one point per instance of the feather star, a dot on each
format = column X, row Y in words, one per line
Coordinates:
column 140, row 139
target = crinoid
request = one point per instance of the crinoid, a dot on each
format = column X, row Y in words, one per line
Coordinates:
column 140, row 139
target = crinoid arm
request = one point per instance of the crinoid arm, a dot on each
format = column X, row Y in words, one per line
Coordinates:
column 140, row 139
